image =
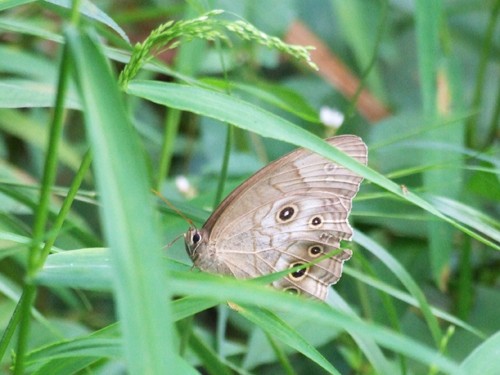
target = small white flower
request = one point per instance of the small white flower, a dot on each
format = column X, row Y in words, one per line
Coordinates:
column 331, row 117
column 185, row 187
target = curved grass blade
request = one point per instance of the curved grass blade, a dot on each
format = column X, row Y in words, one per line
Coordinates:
column 249, row 117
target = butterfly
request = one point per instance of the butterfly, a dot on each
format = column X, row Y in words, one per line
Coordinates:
column 287, row 214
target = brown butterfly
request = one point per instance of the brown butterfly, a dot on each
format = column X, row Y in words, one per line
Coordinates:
column 287, row 214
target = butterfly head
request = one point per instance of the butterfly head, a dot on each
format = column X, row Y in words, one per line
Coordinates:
column 193, row 239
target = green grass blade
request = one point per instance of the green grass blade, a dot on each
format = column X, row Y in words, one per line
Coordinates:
column 244, row 292
column 29, row 94
column 279, row 96
column 407, row 298
column 212, row 362
column 6, row 4
column 484, row 359
column 247, row 116
column 278, row 328
column 487, row 225
column 90, row 10
column 359, row 25
column 34, row 133
column 129, row 220
column 366, row 344
column 403, row 275
column 441, row 92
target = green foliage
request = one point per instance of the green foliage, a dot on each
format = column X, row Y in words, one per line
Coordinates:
column 86, row 284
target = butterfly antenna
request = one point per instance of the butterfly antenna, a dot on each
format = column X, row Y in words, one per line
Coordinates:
column 173, row 208
column 169, row 245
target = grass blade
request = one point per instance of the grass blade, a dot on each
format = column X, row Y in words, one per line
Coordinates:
column 129, row 220
column 246, row 116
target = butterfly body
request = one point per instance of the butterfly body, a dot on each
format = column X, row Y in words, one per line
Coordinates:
column 287, row 214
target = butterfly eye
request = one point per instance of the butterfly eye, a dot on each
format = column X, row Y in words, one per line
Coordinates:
column 287, row 213
column 300, row 274
column 196, row 238
column 315, row 250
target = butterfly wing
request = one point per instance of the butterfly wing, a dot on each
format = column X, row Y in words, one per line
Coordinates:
column 287, row 214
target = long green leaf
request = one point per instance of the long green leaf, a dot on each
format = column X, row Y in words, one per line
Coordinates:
column 129, row 220
column 407, row 298
column 365, row 343
column 6, row 4
column 403, row 275
column 484, row 359
column 277, row 328
column 247, row 116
